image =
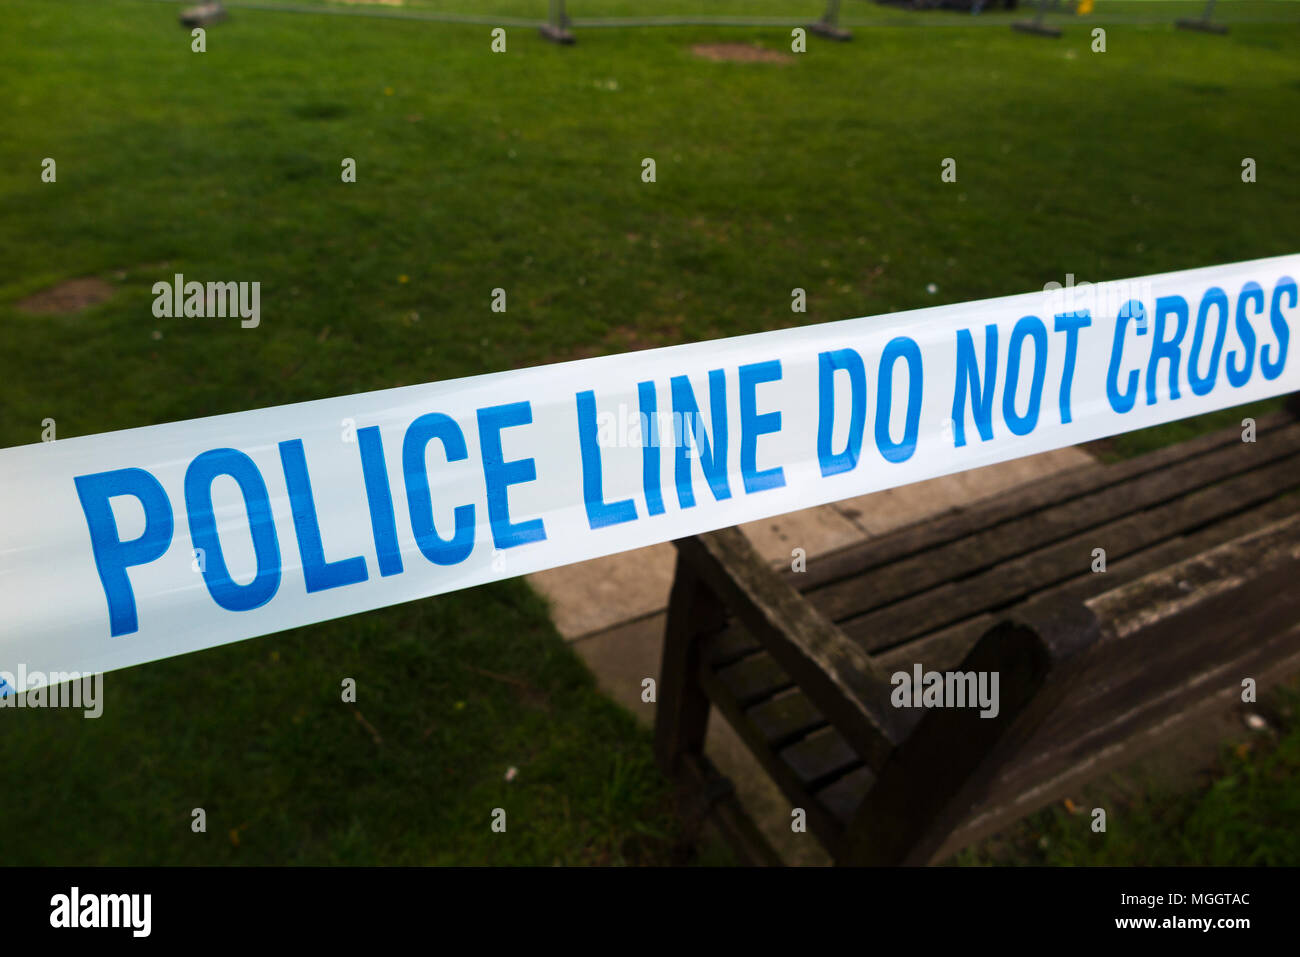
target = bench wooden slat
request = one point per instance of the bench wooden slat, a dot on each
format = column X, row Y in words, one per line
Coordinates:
column 820, row 821
column 754, row 679
column 843, row 796
column 987, row 548
column 730, row 645
column 1004, row 584
column 946, row 647
column 934, row 531
column 736, row 643
column 786, row 718
column 820, row 758
column 943, row 649
column 1200, row 581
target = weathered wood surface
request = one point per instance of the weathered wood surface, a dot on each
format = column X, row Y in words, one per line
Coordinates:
column 1273, row 662
column 833, row 670
column 951, row 760
column 786, row 718
column 758, row 677
column 1088, row 719
column 934, row 531
column 821, row 821
column 946, row 647
column 1164, row 644
column 682, row 714
column 935, row 572
column 804, row 678
column 714, row 791
column 1088, row 515
column 1016, row 579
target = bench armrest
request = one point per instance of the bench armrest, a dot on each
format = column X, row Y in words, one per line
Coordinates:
column 834, row 671
column 1267, row 560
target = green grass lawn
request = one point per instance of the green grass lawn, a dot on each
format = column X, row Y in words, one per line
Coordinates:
column 451, row 694
column 522, row 171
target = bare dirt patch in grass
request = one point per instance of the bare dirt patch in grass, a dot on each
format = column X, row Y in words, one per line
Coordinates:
column 739, row 53
column 72, row 295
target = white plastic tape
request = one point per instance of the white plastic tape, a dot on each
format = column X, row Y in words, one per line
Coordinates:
column 127, row 547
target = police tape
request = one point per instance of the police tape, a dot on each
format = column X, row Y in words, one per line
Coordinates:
column 127, row 547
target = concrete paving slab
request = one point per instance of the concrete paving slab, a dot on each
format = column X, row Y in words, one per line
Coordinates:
column 596, row 595
column 622, row 657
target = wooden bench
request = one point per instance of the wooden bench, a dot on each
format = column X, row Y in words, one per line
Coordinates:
column 1201, row 590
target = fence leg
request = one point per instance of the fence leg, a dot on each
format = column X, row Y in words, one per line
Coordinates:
column 828, row 26
column 556, row 28
column 1037, row 25
column 1203, row 22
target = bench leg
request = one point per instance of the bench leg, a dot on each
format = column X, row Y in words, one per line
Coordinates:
column 710, row 795
column 682, row 715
